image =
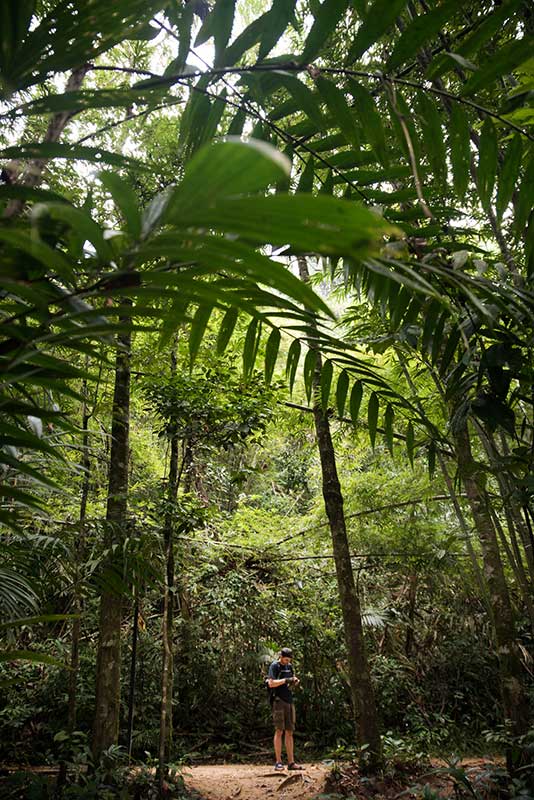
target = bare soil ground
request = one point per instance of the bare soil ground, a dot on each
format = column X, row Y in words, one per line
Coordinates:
column 255, row 782
column 261, row 782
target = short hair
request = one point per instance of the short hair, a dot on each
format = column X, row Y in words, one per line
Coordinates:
column 286, row 652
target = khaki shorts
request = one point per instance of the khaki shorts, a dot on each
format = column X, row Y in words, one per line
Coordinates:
column 283, row 715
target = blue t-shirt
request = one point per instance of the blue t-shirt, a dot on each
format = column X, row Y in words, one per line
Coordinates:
column 277, row 670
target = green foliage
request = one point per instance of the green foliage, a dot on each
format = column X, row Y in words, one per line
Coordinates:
column 213, row 406
column 427, row 133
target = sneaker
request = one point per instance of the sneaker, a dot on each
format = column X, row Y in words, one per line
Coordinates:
column 279, row 765
column 293, row 766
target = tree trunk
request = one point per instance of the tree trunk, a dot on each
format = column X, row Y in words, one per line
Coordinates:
column 79, row 550
column 515, row 700
column 106, row 724
column 410, row 631
column 363, row 700
column 133, row 675
column 509, row 500
column 32, row 174
column 165, row 727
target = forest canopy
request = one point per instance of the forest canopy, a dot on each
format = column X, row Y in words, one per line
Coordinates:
column 266, row 319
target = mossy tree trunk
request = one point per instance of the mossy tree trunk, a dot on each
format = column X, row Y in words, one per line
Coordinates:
column 165, row 729
column 107, row 712
column 362, row 693
column 514, row 696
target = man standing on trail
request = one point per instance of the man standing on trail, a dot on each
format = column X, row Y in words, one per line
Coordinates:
column 280, row 678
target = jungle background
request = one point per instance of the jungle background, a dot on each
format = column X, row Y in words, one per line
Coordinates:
column 266, row 381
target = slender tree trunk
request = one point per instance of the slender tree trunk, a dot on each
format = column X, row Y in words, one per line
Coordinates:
column 515, row 699
column 363, row 700
column 165, row 727
column 106, row 724
column 410, row 632
column 32, row 174
column 79, row 549
column 133, row 675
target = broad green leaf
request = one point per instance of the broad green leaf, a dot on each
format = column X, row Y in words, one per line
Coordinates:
column 389, row 416
column 227, row 328
column 509, row 174
column 433, row 138
column 30, row 193
column 87, row 99
column 420, row 30
column 327, row 372
column 219, row 252
column 372, row 417
column 379, row 19
column 326, row 17
column 71, row 152
column 227, row 168
column 410, row 442
column 198, row 328
column 356, row 401
column 306, row 178
column 36, row 620
column 503, row 62
column 238, row 123
column 327, row 186
column 53, row 260
column 18, row 497
column 15, row 18
column 96, row 27
column 271, row 353
column 293, row 357
column 449, row 351
column 250, row 349
column 218, row 24
column 310, row 362
column 487, row 162
column 430, row 317
column 487, row 27
column 370, row 119
column 324, row 225
column 195, row 121
column 80, row 222
column 185, row 25
column 459, row 145
column 304, row 97
column 399, row 306
column 195, row 116
column 30, row 655
column 341, row 392
column 339, row 109
column 125, row 200
column 246, row 39
column 525, row 199
column 144, row 34
column 279, row 16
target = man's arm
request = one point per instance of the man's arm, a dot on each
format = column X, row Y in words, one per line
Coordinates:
column 272, row 683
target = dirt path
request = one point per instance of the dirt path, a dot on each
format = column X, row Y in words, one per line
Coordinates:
column 255, row 782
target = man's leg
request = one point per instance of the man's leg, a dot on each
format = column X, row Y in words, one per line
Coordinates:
column 278, row 745
column 289, row 747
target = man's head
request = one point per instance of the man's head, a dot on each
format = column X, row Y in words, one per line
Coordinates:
column 285, row 655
